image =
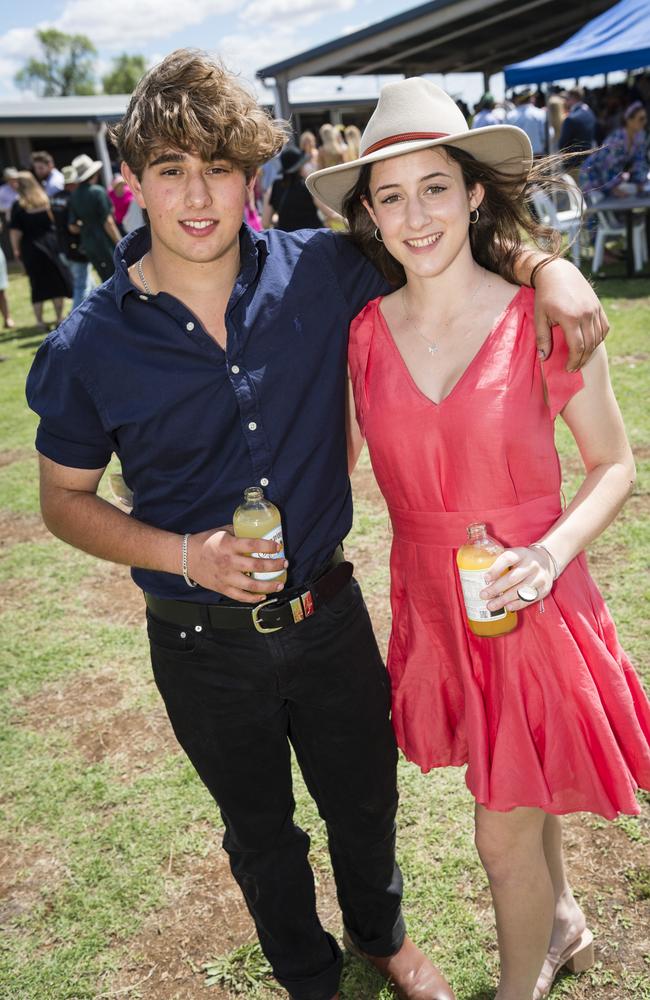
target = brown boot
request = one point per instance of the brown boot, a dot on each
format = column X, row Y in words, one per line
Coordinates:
column 409, row 971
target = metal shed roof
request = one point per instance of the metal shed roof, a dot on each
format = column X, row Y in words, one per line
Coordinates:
column 445, row 36
column 104, row 107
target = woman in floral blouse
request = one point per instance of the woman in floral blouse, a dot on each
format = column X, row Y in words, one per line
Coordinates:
column 621, row 159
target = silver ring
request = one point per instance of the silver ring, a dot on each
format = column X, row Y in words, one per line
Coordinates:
column 527, row 593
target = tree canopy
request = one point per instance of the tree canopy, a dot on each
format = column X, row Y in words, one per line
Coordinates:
column 124, row 75
column 66, row 66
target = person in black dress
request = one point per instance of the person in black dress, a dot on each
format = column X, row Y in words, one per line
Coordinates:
column 34, row 241
column 289, row 199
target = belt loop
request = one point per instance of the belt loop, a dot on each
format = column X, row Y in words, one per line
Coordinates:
column 205, row 615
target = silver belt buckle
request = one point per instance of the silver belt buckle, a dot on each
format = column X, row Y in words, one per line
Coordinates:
column 258, row 624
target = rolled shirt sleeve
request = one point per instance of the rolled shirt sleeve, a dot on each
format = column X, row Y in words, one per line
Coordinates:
column 70, row 431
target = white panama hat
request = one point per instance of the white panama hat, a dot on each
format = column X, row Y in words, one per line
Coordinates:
column 85, row 167
column 416, row 114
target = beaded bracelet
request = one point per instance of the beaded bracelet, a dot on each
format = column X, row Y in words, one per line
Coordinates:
column 190, row 583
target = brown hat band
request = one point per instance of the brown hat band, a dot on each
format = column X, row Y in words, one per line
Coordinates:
column 390, row 140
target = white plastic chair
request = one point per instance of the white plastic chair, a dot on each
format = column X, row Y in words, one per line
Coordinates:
column 611, row 227
column 566, row 220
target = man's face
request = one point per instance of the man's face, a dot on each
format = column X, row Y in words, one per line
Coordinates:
column 41, row 169
column 195, row 208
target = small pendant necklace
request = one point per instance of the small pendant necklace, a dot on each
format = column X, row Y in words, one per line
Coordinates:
column 432, row 347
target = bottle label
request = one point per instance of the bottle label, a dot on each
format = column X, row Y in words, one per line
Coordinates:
column 275, row 535
column 473, row 582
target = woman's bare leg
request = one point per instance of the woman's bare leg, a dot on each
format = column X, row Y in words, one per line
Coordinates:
column 569, row 920
column 38, row 312
column 511, row 848
column 58, row 309
column 4, row 309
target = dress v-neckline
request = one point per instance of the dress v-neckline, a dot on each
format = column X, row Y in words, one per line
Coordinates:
column 473, row 361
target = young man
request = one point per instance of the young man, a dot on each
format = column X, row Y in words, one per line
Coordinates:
column 215, row 359
column 43, row 166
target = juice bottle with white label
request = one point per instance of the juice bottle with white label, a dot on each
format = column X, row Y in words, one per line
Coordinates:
column 257, row 517
column 474, row 559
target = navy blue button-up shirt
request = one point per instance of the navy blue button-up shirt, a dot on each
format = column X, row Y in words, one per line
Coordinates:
column 192, row 424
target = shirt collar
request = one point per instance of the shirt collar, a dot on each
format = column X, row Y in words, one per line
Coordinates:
column 253, row 249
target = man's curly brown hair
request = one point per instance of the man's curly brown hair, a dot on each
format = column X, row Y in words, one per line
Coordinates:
column 190, row 103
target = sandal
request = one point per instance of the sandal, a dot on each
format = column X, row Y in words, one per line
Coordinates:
column 577, row 957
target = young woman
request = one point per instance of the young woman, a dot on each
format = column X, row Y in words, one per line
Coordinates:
column 619, row 167
column 458, row 413
column 34, row 241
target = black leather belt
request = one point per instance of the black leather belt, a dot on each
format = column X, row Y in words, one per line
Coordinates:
column 290, row 607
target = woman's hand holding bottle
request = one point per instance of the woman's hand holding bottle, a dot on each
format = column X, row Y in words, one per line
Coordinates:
column 527, row 571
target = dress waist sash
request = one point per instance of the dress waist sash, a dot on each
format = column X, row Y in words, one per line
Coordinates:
column 518, row 525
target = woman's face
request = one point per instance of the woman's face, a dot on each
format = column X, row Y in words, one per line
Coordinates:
column 421, row 207
column 637, row 121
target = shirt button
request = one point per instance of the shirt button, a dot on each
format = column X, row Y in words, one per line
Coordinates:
column 252, row 426
column 264, row 481
column 145, row 298
column 189, row 326
column 235, row 369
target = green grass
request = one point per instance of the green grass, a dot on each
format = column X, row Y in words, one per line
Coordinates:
column 108, row 841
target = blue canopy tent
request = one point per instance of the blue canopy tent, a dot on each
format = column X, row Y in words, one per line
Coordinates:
column 617, row 39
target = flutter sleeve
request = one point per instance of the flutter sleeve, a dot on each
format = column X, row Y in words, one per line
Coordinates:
column 361, row 331
column 561, row 385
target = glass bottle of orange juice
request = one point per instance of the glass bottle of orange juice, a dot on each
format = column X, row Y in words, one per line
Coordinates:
column 474, row 558
column 257, row 517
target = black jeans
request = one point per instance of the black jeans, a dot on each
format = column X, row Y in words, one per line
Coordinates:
column 236, row 700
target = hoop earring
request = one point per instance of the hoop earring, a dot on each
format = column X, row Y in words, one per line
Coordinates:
column 377, row 235
column 474, row 221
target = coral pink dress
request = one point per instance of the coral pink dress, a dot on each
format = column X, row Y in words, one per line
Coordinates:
column 551, row 715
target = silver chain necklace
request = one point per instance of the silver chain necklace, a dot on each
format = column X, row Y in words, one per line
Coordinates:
column 432, row 347
column 141, row 276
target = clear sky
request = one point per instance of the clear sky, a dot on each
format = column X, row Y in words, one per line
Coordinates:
column 247, row 34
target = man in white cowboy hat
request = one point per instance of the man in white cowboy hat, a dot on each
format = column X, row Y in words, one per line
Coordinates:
column 214, row 358
column 91, row 206
column 69, row 238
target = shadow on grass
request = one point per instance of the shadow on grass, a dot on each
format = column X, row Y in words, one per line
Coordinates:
column 22, row 333
column 613, row 282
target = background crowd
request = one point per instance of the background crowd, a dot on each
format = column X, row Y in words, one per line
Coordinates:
column 64, row 224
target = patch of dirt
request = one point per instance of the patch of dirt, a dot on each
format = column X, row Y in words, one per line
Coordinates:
column 23, row 873
column 598, row 859
column 631, row 360
column 112, row 595
column 17, row 528
column 76, row 703
column 131, row 741
column 88, row 709
column 14, row 455
column 204, row 917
